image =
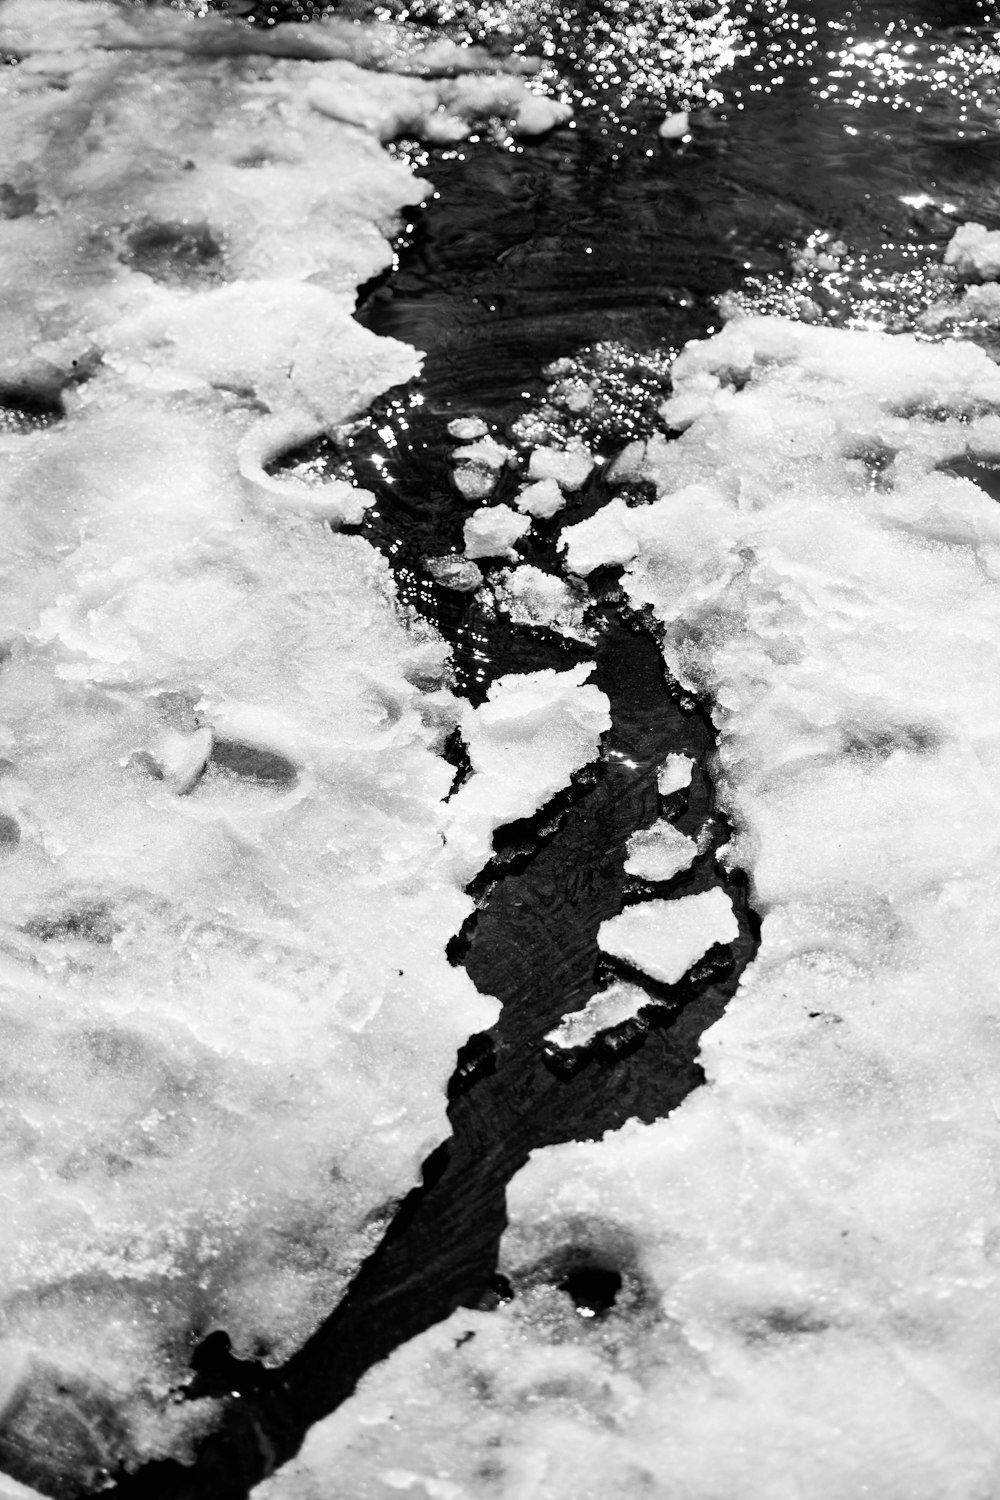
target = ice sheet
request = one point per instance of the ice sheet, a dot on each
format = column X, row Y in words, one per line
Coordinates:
column 227, row 1014
column 809, row 1294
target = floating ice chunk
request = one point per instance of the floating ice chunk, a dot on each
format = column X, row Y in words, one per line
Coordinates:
column 475, row 481
column 467, row 428
column 486, row 451
column 569, row 467
column 674, row 774
column 493, row 530
column 604, row 1011
column 664, row 938
column 524, row 744
column 532, row 597
column 455, row 573
column 675, row 126
column 542, row 499
column 974, row 250
column 605, row 538
column 660, row 852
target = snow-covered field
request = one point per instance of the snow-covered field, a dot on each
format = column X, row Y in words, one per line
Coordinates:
column 231, row 855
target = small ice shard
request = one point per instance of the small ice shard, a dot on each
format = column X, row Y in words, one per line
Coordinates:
column 475, row 481
column 492, row 531
column 660, row 852
column 454, row 573
column 538, row 113
column 675, row 126
column 486, row 451
column 569, row 467
column 674, row 774
column 603, row 539
column 664, row 938
column 531, row 597
column 618, row 1003
column 466, row 429
column 541, row 499
column 182, row 757
column 974, row 250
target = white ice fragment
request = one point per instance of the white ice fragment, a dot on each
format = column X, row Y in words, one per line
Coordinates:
column 538, row 113
column 542, row 499
column 475, row 481
column 664, row 938
column 674, row 774
column 465, row 429
column 609, row 1008
column 607, row 537
column 524, row 743
column 675, row 126
column 454, row 573
column 974, row 250
column 531, row 597
column 569, row 467
column 486, row 451
column 659, row 852
column 493, row 530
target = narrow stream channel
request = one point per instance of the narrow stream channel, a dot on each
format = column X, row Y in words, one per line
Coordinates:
column 599, row 235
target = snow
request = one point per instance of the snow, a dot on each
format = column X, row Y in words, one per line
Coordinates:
column 604, row 1011
column 660, row 852
column 494, row 531
column 674, row 775
column 524, row 743
column 228, row 868
column 810, row 1296
column 664, row 938
column 542, row 499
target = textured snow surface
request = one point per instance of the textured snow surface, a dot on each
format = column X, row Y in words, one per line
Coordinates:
column 664, row 938
column 809, row 1246
column 226, row 892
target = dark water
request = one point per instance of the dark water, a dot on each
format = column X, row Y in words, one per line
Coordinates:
column 601, row 235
